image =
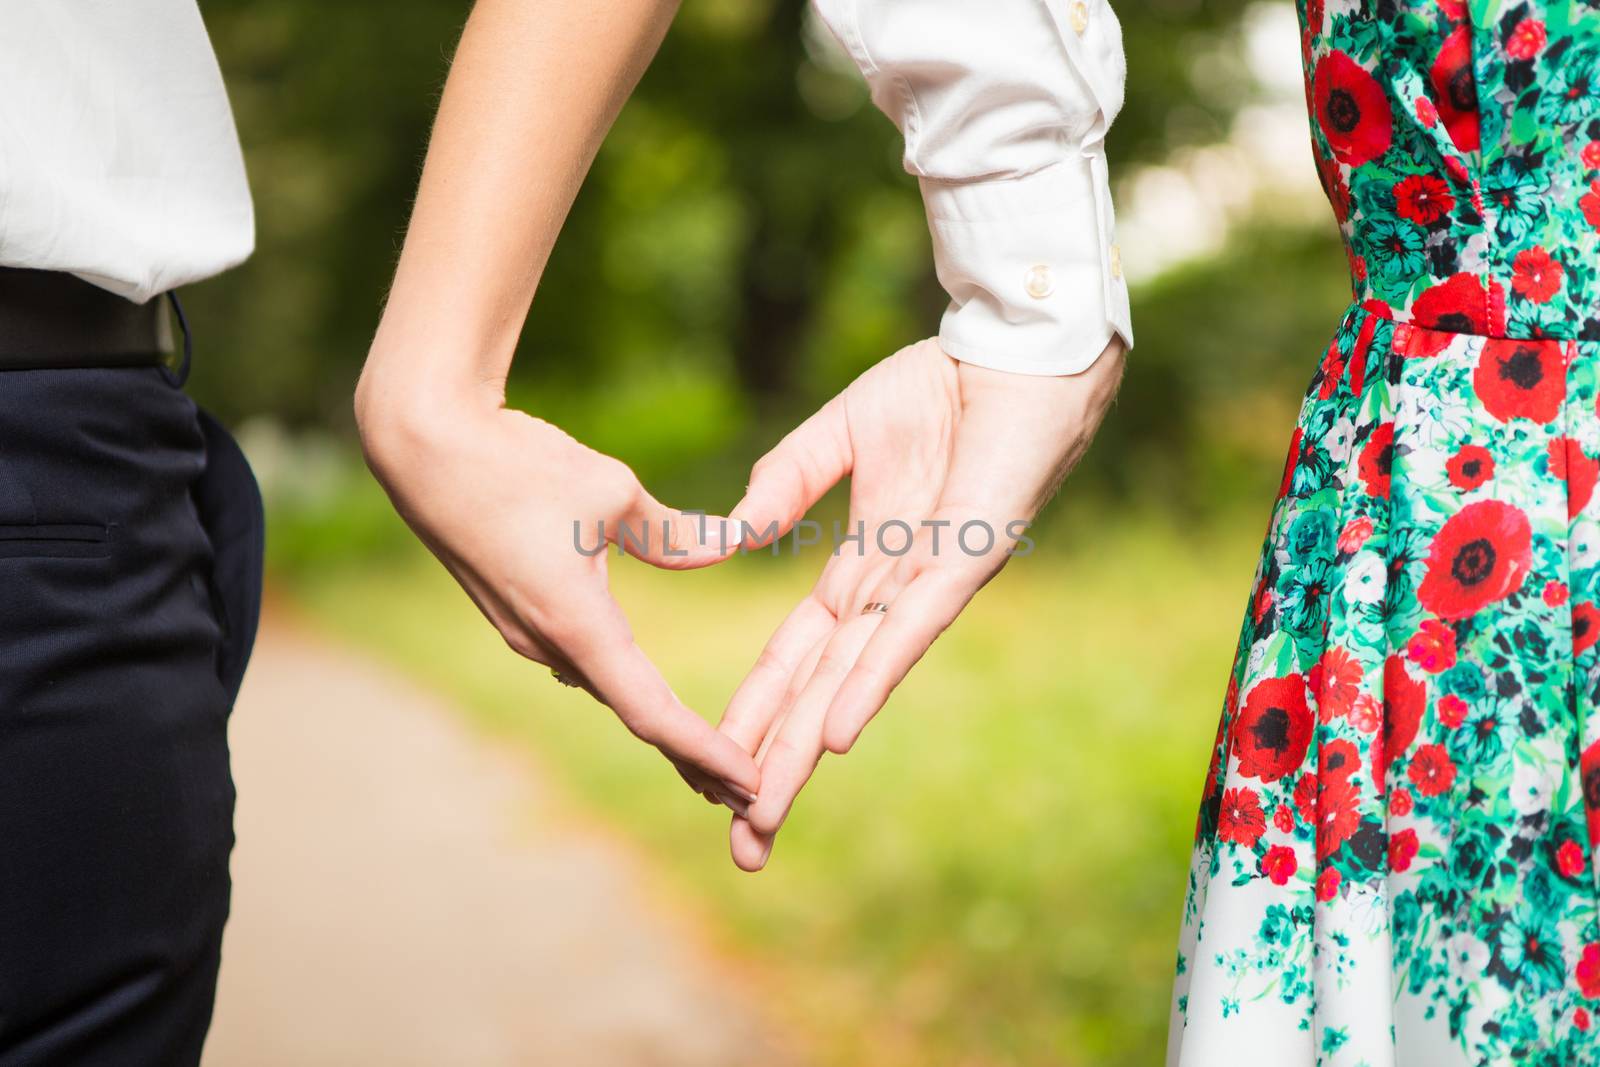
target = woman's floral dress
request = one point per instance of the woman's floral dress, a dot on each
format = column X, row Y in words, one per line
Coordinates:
column 1395, row 862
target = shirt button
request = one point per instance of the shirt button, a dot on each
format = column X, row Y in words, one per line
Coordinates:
column 1080, row 16
column 1116, row 262
column 1040, row 281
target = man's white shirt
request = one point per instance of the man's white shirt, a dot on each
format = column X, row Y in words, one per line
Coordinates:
column 118, row 157
column 1004, row 106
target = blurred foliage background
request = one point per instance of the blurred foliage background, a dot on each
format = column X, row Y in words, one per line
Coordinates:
column 996, row 877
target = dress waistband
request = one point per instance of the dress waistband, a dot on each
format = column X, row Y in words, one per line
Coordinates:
column 1409, row 322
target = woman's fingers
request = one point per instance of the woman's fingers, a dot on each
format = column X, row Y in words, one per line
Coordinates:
column 623, row 677
column 793, row 754
column 759, row 699
column 713, row 792
column 674, row 540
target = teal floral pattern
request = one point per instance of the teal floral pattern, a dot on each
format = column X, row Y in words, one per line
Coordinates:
column 1395, row 858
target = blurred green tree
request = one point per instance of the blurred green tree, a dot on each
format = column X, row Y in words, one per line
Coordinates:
column 747, row 242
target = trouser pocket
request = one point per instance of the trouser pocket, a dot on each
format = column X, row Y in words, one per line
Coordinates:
column 228, row 503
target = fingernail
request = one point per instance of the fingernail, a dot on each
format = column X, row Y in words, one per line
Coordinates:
column 767, row 852
column 735, row 805
column 749, row 797
column 718, row 534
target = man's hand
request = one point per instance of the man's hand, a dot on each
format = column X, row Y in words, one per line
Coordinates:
column 960, row 457
column 505, row 501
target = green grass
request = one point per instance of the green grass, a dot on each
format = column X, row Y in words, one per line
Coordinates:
column 994, row 875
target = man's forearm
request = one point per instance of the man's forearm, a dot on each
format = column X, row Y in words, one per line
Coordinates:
column 533, row 89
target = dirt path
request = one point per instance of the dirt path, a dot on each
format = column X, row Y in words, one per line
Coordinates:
column 404, row 896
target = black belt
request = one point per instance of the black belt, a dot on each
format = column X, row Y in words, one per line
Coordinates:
column 52, row 319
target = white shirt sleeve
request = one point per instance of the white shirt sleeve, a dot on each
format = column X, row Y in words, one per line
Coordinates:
column 1004, row 106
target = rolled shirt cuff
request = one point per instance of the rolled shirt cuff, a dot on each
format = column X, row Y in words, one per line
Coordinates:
column 1032, row 268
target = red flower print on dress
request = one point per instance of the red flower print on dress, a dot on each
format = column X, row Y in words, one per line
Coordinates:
column 1263, row 601
column 1279, row 864
column 1366, row 714
column 1404, row 701
column 1580, row 1019
column 1568, row 463
column 1273, row 729
column 1536, row 275
column 1355, row 534
column 1305, row 797
column 1588, row 971
column 1352, row 110
column 1452, row 710
column 1589, row 771
column 1459, row 304
column 1480, row 555
column 1432, row 647
column 1291, row 463
column 1241, row 819
column 1377, row 457
column 1521, row 379
column 1337, row 816
column 1400, row 802
column 1432, row 770
column 1335, row 681
column 1332, row 371
column 1335, row 187
column 1570, row 860
column 1470, row 467
column 1585, row 627
column 1555, row 593
column 1218, row 750
column 1591, row 155
column 1526, row 40
column 1337, row 759
column 1423, row 199
column 1328, row 884
column 1402, row 850
column 1589, row 204
column 1283, row 819
column 1427, row 114
column 1454, row 90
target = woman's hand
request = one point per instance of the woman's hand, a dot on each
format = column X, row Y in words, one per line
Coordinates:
column 505, row 500
column 960, row 457
column 494, row 493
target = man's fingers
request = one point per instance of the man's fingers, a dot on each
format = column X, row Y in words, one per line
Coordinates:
column 789, row 754
column 784, row 483
column 625, row 679
column 917, row 616
column 759, row 698
column 790, row 759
